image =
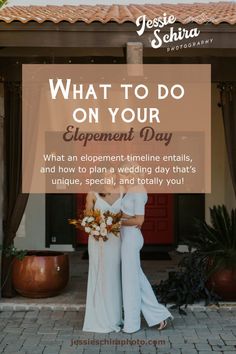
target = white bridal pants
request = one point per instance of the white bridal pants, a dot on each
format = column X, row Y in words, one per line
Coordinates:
column 138, row 294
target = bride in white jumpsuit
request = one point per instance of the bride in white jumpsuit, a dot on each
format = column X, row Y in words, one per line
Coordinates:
column 138, row 295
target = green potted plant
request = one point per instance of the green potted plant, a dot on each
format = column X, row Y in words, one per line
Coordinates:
column 208, row 271
column 38, row 274
column 216, row 243
column 187, row 284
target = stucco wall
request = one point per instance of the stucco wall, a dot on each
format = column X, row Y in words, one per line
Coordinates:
column 1, row 166
column 32, row 231
column 222, row 188
column 1, row 157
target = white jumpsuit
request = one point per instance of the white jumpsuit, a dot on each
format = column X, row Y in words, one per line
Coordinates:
column 138, row 294
column 104, row 296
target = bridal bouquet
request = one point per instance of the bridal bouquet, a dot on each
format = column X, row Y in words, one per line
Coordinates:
column 98, row 224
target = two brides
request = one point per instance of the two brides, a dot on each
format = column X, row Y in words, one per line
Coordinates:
column 115, row 276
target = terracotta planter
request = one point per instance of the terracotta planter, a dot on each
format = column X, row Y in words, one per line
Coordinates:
column 223, row 282
column 41, row 274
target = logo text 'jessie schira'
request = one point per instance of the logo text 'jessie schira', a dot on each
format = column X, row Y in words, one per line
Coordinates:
column 174, row 35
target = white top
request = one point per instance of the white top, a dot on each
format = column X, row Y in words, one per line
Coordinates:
column 133, row 203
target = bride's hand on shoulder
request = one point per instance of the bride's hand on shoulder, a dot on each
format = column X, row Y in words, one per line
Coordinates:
column 136, row 220
column 139, row 221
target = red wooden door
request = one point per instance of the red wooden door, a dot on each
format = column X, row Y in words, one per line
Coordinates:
column 158, row 226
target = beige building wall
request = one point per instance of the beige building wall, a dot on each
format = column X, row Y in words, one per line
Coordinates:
column 1, row 166
column 222, row 188
column 32, row 231
column 1, row 157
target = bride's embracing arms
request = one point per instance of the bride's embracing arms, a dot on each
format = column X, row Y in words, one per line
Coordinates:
column 136, row 220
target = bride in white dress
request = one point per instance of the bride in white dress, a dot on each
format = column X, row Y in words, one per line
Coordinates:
column 104, row 296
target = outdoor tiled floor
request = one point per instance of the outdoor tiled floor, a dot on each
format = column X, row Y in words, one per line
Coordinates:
column 54, row 325
column 52, row 332
column 75, row 294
